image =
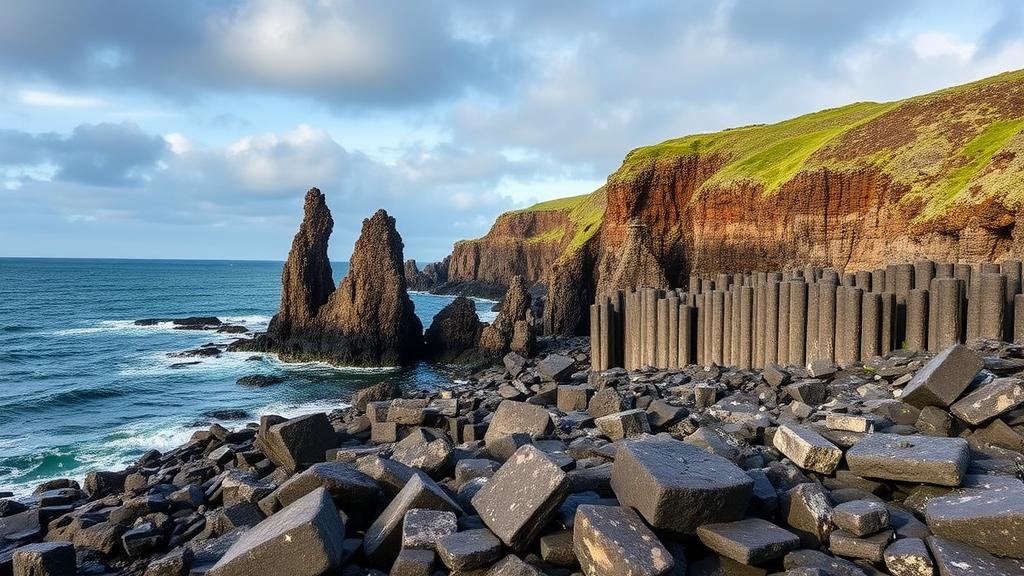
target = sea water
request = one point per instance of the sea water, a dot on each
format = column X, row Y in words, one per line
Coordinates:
column 83, row 388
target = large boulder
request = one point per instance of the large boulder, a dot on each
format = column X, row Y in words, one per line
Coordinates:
column 295, row 444
column 454, row 334
column 383, row 538
column 677, row 487
column 303, row 539
column 512, row 417
column 614, row 540
column 368, row 320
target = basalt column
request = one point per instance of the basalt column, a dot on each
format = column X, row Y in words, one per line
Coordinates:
column 783, row 322
column 917, row 319
column 1011, row 269
column 717, row 328
column 826, row 321
column 848, row 324
column 888, row 330
column 990, row 307
column 878, row 280
column 673, row 331
column 746, row 318
column 811, row 342
column 661, row 346
column 871, row 325
column 946, row 315
column 797, row 322
column 727, row 328
column 771, row 329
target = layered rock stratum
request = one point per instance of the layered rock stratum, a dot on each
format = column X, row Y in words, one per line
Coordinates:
column 368, row 320
column 938, row 176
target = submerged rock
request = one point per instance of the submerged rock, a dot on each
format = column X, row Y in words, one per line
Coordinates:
column 454, row 334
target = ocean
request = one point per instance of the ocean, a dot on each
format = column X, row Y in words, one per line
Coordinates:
column 82, row 388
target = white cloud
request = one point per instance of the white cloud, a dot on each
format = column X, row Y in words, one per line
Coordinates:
column 49, row 99
column 941, row 45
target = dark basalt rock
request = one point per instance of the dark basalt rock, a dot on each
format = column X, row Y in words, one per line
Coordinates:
column 432, row 276
column 454, row 334
column 368, row 320
column 512, row 330
column 260, row 380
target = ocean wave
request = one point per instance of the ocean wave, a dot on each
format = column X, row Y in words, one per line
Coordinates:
column 248, row 321
column 124, row 326
column 63, row 398
column 294, row 409
column 16, row 328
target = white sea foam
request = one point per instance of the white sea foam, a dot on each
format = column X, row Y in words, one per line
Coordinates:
column 124, row 326
column 291, row 410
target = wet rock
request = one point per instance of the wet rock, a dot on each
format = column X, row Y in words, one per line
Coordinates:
column 909, row 557
column 44, row 559
column 303, row 539
column 614, row 540
column 941, row 381
column 468, row 550
column 454, row 334
column 927, row 459
column 384, row 537
column 517, row 502
column 101, row 484
column 295, row 444
column 991, row 519
column 861, row 517
column 749, row 541
column 807, row 449
column 379, row 392
column 260, row 380
column 678, row 487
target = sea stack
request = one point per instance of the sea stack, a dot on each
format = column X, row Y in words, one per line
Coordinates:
column 368, row 320
column 512, row 330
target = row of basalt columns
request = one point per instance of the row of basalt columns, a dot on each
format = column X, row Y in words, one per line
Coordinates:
column 750, row 320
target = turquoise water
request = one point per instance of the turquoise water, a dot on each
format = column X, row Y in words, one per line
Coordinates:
column 82, row 388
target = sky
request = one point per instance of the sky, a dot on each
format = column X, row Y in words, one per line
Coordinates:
column 192, row 129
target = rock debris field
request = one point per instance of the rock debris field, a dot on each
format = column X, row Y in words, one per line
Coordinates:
column 907, row 464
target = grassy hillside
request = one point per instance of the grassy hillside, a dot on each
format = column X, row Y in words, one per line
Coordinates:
column 957, row 145
column 585, row 212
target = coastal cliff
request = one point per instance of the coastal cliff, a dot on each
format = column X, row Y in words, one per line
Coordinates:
column 938, row 176
column 368, row 320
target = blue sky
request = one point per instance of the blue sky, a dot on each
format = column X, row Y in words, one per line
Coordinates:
column 191, row 129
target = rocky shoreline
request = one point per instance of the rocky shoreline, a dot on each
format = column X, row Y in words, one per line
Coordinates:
column 905, row 465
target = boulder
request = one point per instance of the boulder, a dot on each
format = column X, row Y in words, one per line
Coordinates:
column 454, row 334
column 517, row 502
column 512, row 416
column 413, row 563
column 496, row 339
column 908, row 557
column 614, row 540
column 384, row 537
column 990, row 400
column 941, row 381
column 861, row 517
column 463, row 551
column 807, row 449
column 926, row 459
column 44, row 559
column 749, row 541
column 958, row 559
column 351, row 490
column 379, row 392
column 101, row 484
column 989, row 518
column 807, row 509
column 421, row 529
column 870, row 548
column 556, row 368
column 303, row 539
column 425, row 450
column 295, row 444
column 677, row 487
column 626, row 424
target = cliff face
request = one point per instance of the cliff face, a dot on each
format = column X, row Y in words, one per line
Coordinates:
column 368, row 320
column 938, row 176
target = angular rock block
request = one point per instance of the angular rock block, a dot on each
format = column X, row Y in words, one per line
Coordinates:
column 997, row 397
column 957, row 559
column 991, row 519
column 807, row 449
column 421, row 528
column 750, row 541
column 425, row 450
column 624, row 424
column 807, row 509
column 303, row 539
column 678, row 487
column 44, row 559
column 384, row 537
column 512, row 565
column 413, row 563
column 944, row 378
column 573, row 398
column 468, row 550
column 512, row 417
column 926, row 459
column 861, row 517
column 352, row 491
column 614, row 540
column 870, row 548
column 556, row 368
column 297, row 443
column 517, row 502
column 909, row 557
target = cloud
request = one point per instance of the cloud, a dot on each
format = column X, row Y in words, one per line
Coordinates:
column 378, row 54
column 57, row 100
